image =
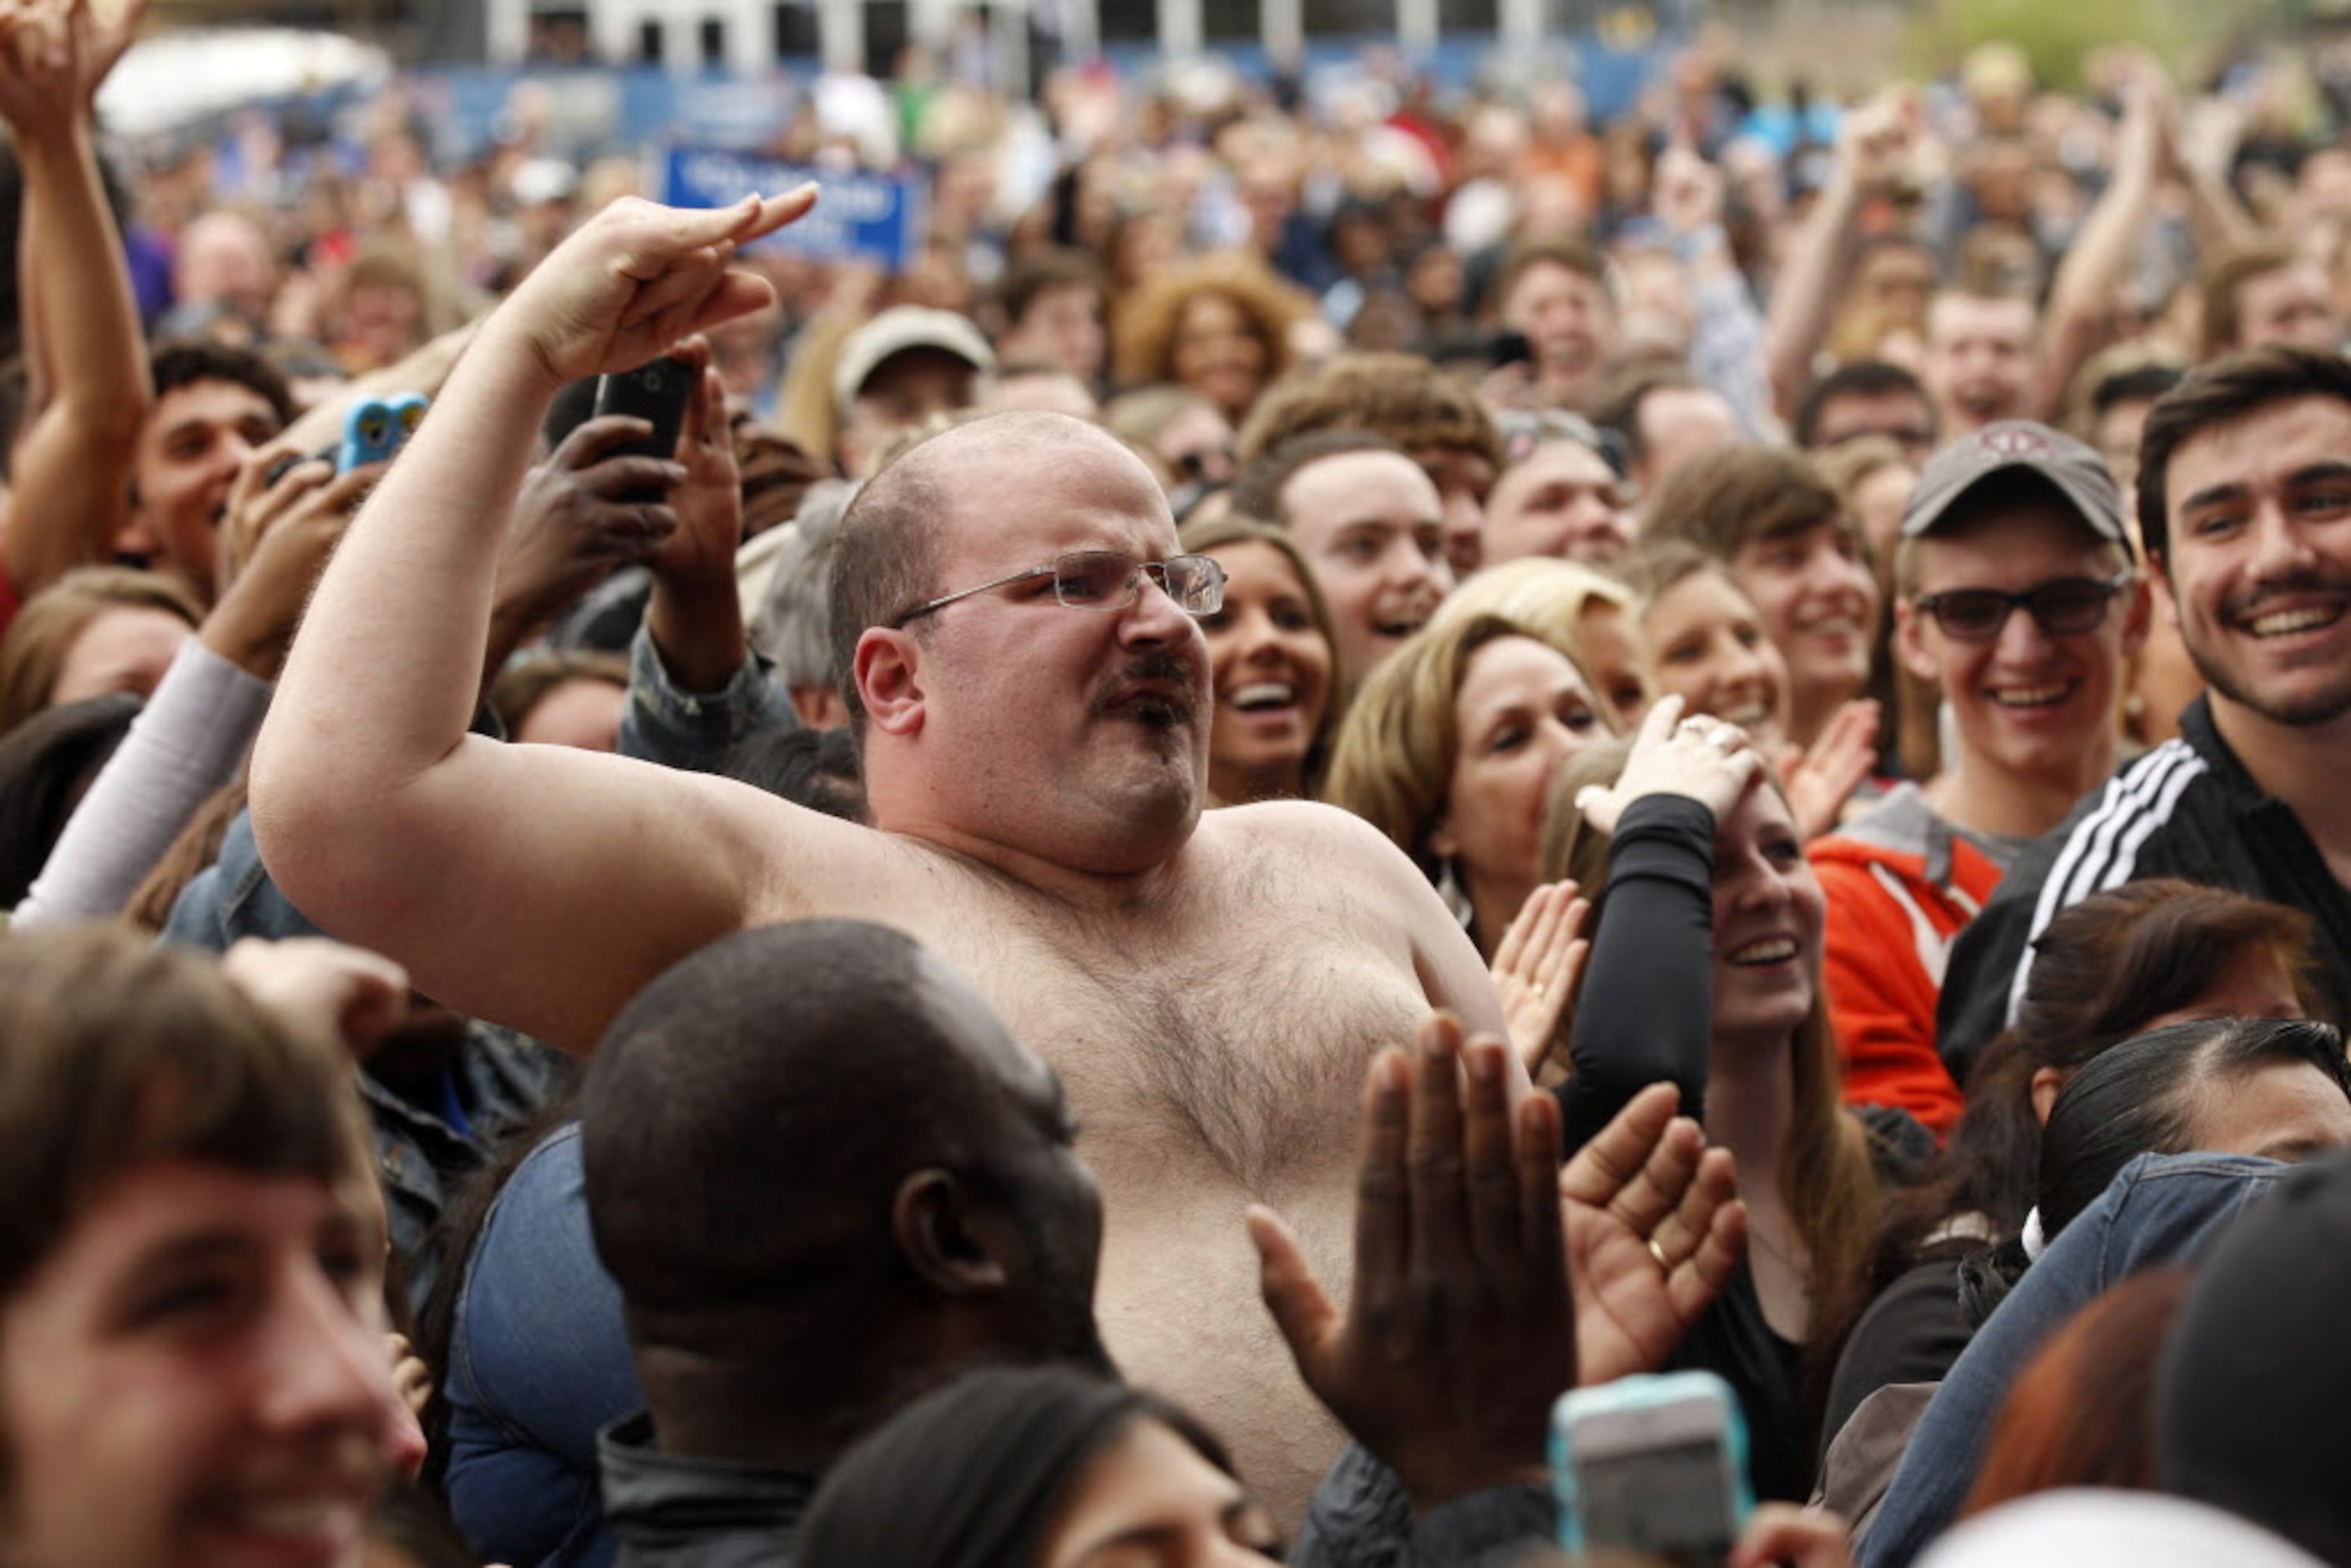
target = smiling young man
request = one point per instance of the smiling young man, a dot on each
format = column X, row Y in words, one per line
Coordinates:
column 214, row 407
column 2244, row 504
column 1371, row 524
column 2017, row 598
column 1786, row 538
column 1979, row 360
column 1436, row 418
column 1558, row 294
column 192, row 1361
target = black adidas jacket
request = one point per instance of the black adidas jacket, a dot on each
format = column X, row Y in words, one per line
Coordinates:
column 2188, row 808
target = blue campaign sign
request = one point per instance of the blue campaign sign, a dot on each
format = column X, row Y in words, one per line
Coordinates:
column 858, row 216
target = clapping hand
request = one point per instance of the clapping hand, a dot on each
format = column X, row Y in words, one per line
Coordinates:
column 1537, row 968
column 1655, row 1231
column 1459, row 1333
column 1821, row 779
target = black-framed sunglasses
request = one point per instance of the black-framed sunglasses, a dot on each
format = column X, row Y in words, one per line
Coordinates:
column 2063, row 607
column 1105, row 580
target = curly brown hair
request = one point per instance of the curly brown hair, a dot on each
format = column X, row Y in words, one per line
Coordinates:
column 1143, row 332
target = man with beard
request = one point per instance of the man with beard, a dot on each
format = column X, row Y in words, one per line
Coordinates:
column 1014, row 631
column 2245, row 504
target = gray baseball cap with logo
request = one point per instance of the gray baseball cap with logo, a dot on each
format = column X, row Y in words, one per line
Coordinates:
column 2077, row 474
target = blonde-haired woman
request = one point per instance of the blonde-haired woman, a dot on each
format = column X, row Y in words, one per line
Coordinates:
column 1449, row 748
column 1585, row 612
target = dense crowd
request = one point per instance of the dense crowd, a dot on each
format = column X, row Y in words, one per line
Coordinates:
column 1350, row 760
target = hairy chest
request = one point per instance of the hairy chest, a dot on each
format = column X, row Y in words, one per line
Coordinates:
column 1238, row 1031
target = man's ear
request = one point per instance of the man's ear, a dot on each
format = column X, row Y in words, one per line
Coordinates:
column 2138, row 612
column 944, row 1236
column 2164, row 599
column 1910, row 641
column 887, row 667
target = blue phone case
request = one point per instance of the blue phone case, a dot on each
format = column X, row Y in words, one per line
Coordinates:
column 367, row 434
column 1646, row 1392
column 407, row 414
column 375, row 428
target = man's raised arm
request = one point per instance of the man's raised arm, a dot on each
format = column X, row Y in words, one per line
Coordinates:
column 527, row 884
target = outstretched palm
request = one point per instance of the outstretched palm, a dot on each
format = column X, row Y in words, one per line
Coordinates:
column 1655, row 1232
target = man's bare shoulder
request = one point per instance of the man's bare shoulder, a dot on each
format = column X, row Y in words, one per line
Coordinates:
column 1307, row 829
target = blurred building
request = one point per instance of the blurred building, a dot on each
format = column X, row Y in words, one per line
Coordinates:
column 750, row 37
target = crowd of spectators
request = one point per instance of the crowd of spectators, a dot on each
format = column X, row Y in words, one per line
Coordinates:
column 1348, row 760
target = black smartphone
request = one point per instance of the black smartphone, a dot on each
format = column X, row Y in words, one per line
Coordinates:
column 1507, row 349
column 655, row 392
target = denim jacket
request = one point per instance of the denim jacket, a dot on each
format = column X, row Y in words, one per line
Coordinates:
column 2161, row 1208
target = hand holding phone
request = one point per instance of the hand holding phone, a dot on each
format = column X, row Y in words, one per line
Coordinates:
column 655, row 392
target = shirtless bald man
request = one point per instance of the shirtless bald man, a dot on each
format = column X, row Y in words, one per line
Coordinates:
column 1210, row 987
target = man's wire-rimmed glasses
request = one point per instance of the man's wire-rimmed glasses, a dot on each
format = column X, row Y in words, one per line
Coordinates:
column 1106, row 580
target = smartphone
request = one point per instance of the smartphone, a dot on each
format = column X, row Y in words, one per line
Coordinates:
column 655, row 392
column 368, row 434
column 1654, row 1464
column 376, row 428
column 407, row 414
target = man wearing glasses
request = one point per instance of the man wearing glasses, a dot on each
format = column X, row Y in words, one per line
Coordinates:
column 2244, row 504
column 1013, row 630
column 2016, row 595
